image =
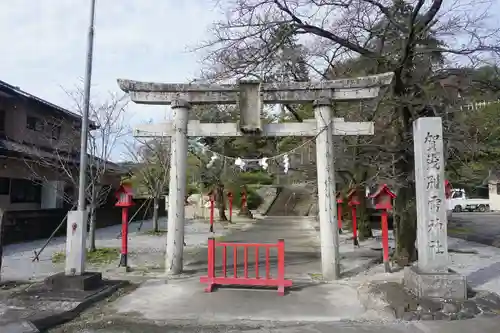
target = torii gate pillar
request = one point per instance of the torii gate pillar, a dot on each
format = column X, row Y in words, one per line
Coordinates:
column 330, row 264
column 177, row 187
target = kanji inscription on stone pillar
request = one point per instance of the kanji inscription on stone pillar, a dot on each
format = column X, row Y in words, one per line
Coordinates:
column 431, row 204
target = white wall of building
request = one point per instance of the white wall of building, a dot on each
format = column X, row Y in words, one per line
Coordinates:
column 494, row 196
column 52, row 194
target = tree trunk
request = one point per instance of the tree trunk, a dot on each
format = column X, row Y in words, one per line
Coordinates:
column 92, row 228
column 405, row 221
column 364, row 225
column 405, row 214
column 220, row 203
column 156, row 206
column 244, row 211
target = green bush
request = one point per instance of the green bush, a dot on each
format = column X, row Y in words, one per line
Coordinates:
column 192, row 189
column 257, row 177
column 254, row 199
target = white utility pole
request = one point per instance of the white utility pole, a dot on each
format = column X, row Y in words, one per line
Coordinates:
column 76, row 232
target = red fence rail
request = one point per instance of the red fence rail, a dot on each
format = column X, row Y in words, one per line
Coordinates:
column 212, row 279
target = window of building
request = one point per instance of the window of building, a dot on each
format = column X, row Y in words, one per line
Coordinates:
column 25, row 191
column 4, row 186
column 2, row 121
column 498, row 188
column 35, row 124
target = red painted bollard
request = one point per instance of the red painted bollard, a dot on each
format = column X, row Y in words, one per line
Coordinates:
column 339, row 211
column 447, row 189
column 385, row 240
column 230, row 199
column 383, row 201
column 212, row 206
column 125, row 200
column 353, row 202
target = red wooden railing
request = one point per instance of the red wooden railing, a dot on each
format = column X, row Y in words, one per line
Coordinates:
column 268, row 280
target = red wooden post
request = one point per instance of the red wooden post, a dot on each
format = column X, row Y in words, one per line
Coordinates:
column 268, row 269
column 383, row 201
column 235, row 260
column 125, row 200
column 354, row 225
column 123, row 256
column 224, row 261
column 352, row 196
column 245, row 262
column 281, row 267
column 256, row 262
column 211, row 265
column 385, row 240
column 230, row 199
column 212, row 199
column 339, row 211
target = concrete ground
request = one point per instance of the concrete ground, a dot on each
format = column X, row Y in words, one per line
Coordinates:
column 181, row 305
column 309, row 300
column 478, row 262
column 483, row 325
column 483, row 228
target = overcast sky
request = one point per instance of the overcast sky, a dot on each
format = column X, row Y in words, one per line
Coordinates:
column 44, row 44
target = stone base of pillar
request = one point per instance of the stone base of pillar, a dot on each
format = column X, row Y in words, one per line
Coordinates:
column 449, row 285
column 85, row 282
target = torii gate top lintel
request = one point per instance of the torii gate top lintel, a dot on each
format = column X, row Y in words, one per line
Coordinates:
column 249, row 95
column 366, row 87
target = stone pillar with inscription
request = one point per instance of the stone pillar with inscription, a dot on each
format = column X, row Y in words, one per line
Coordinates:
column 431, row 276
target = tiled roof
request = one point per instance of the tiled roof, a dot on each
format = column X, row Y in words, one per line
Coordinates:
column 32, row 152
column 8, row 148
column 16, row 91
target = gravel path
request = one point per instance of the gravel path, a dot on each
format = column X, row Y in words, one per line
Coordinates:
column 146, row 250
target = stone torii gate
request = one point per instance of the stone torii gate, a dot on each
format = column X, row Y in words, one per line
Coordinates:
column 249, row 96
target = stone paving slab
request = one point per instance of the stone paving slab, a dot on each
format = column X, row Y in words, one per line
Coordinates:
column 19, row 327
column 476, row 325
column 186, row 300
column 115, row 324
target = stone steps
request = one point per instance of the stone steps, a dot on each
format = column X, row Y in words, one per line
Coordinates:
column 292, row 201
